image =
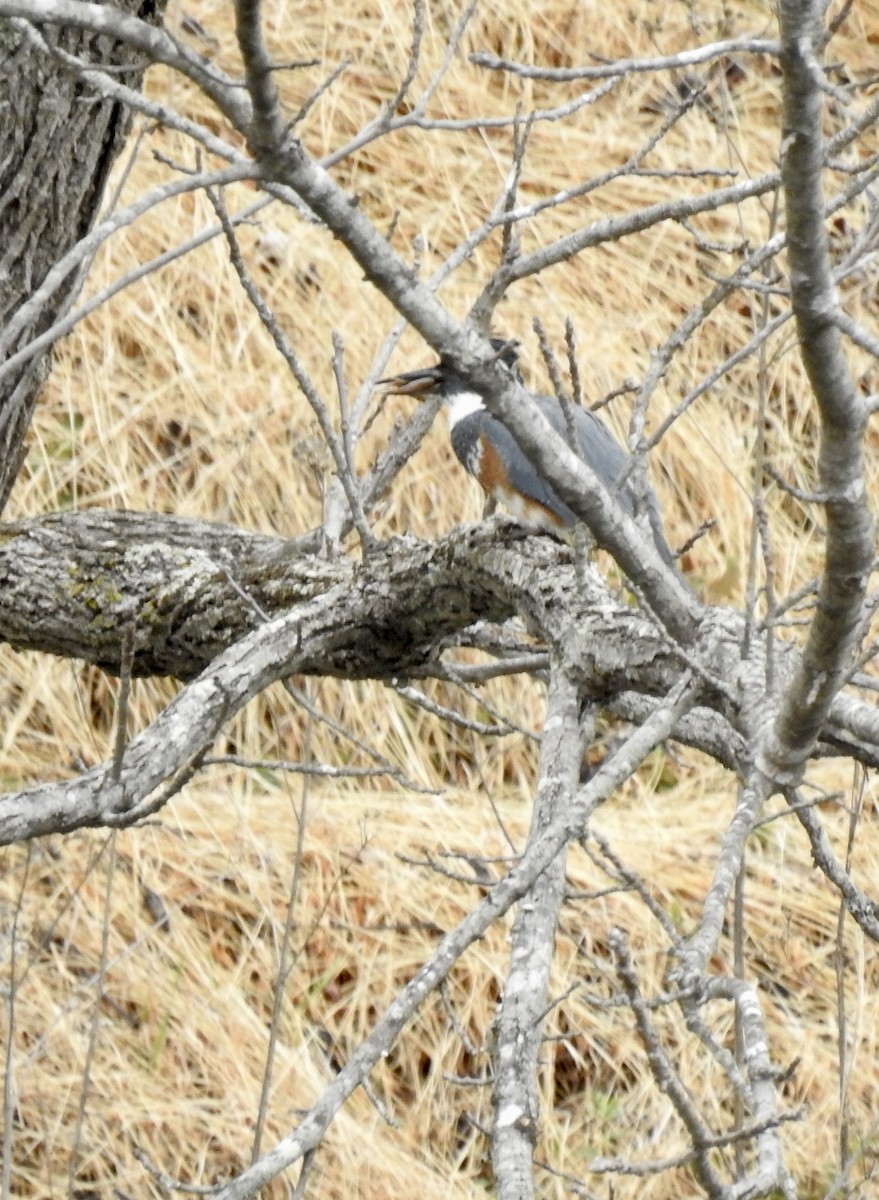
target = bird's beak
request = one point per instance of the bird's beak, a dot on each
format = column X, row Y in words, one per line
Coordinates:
column 413, row 383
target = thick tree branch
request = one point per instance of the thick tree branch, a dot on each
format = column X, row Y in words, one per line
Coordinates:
column 519, row 1025
column 850, row 538
column 73, row 584
column 76, row 584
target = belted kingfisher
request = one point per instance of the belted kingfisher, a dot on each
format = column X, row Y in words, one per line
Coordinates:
column 488, row 450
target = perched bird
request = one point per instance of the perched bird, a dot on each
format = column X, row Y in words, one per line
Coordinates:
column 489, row 451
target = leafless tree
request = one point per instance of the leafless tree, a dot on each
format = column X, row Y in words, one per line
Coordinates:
column 229, row 612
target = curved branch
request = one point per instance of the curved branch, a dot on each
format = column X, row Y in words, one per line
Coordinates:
column 68, row 583
column 75, row 584
column 850, row 535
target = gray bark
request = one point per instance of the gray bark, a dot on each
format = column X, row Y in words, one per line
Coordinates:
column 520, row 1018
column 239, row 611
column 849, row 544
column 57, row 144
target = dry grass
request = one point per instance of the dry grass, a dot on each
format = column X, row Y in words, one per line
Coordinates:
column 172, row 398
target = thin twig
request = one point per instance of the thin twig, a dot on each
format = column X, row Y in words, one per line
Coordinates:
column 629, row 66
column 9, row 1063
column 664, row 1074
column 280, row 988
column 306, row 386
column 86, row 1082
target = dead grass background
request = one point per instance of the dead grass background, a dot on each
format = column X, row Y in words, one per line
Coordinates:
column 172, row 398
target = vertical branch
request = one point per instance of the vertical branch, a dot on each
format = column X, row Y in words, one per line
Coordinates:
column 267, row 129
column 9, row 1066
column 519, row 1025
column 770, row 1175
column 306, row 386
column 348, row 475
column 703, row 942
column 759, row 524
column 120, row 738
column 849, row 540
column 739, row 971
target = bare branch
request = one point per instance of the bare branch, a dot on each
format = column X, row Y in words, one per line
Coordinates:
column 320, row 770
column 771, row 1171
column 519, row 1025
column 667, row 1079
column 345, row 735
column 282, row 344
column 628, row 66
column 347, row 473
column 701, row 945
column 454, row 717
column 105, row 85
column 159, row 46
column 94, row 1025
column 614, row 229
column 87, row 246
column 859, row 906
column 9, row 1098
column 541, row 852
column 857, row 333
column 285, row 966
column 849, row 543
column 266, row 129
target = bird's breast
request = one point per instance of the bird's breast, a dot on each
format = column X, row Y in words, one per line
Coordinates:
column 479, row 454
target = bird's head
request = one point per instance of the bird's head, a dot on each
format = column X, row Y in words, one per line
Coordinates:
column 443, row 378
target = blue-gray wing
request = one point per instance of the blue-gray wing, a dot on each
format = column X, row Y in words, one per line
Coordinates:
column 598, row 447
column 521, row 474
column 607, row 458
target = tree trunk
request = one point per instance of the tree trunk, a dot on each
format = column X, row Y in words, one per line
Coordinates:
column 57, row 144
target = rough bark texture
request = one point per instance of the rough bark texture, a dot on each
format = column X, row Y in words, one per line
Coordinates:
column 57, row 144
column 78, row 584
column 74, row 584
